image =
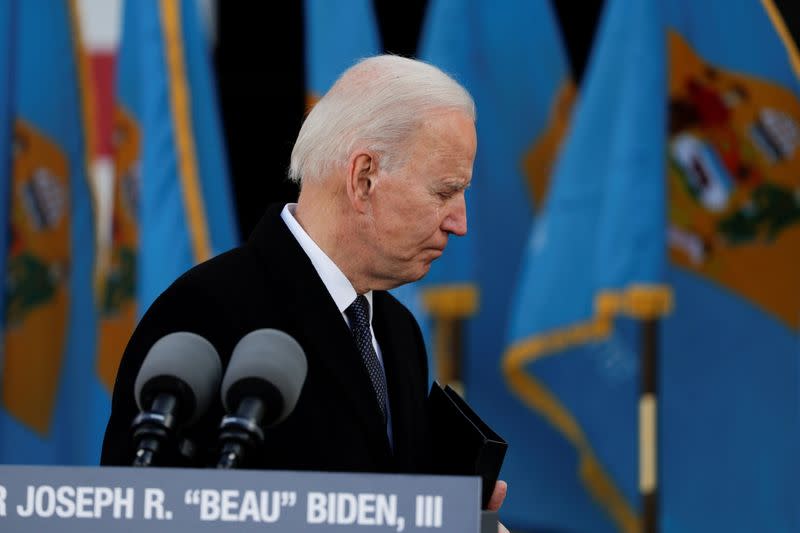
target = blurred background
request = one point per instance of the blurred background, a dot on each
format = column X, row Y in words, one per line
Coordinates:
column 624, row 311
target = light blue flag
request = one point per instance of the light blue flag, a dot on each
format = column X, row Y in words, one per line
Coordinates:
column 448, row 295
column 7, row 42
column 186, row 212
column 337, row 36
column 53, row 407
column 731, row 351
column 172, row 204
column 594, row 264
column 512, row 61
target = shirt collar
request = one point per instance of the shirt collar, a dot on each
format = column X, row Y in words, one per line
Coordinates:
column 339, row 287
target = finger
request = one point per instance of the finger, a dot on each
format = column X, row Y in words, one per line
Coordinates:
column 501, row 528
column 499, row 494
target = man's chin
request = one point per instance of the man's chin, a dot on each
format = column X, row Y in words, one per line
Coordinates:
column 410, row 275
column 416, row 274
column 422, row 271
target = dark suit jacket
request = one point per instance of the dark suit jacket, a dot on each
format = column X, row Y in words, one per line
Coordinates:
column 270, row 283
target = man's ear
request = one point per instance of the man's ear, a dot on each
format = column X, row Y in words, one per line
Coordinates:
column 361, row 173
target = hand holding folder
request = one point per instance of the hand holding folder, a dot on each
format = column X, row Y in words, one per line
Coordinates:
column 463, row 444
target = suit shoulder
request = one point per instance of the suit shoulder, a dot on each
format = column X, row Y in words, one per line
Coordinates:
column 221, row 271
column 213, row 287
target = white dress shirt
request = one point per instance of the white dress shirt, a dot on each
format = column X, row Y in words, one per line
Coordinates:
column 339, row 287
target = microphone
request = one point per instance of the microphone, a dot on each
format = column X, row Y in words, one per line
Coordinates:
column 175, row 384
column 260, row 389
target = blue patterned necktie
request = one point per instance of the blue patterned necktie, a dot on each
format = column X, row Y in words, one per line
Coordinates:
column 358, row 315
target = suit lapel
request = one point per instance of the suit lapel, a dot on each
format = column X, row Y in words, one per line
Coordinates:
column 328, row 336
column 399, row 378
column 322, row 330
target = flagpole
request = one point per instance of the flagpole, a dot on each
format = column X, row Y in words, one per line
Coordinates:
column 448, row 352
column 648, row 427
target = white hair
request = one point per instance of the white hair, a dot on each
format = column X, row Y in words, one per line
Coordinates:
column 377, row 105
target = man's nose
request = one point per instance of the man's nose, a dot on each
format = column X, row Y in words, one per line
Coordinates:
column 455, row 221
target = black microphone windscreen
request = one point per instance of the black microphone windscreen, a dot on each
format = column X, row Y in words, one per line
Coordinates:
column 186, row 357
column 271, row 356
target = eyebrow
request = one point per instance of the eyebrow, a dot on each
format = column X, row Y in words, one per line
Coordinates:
column 456, row 187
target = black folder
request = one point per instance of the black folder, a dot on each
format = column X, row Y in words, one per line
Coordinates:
column 463, row 444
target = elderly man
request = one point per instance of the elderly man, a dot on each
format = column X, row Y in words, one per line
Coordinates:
column 383, row 161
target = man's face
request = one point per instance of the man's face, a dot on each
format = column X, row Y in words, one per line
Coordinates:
column 417, row 206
